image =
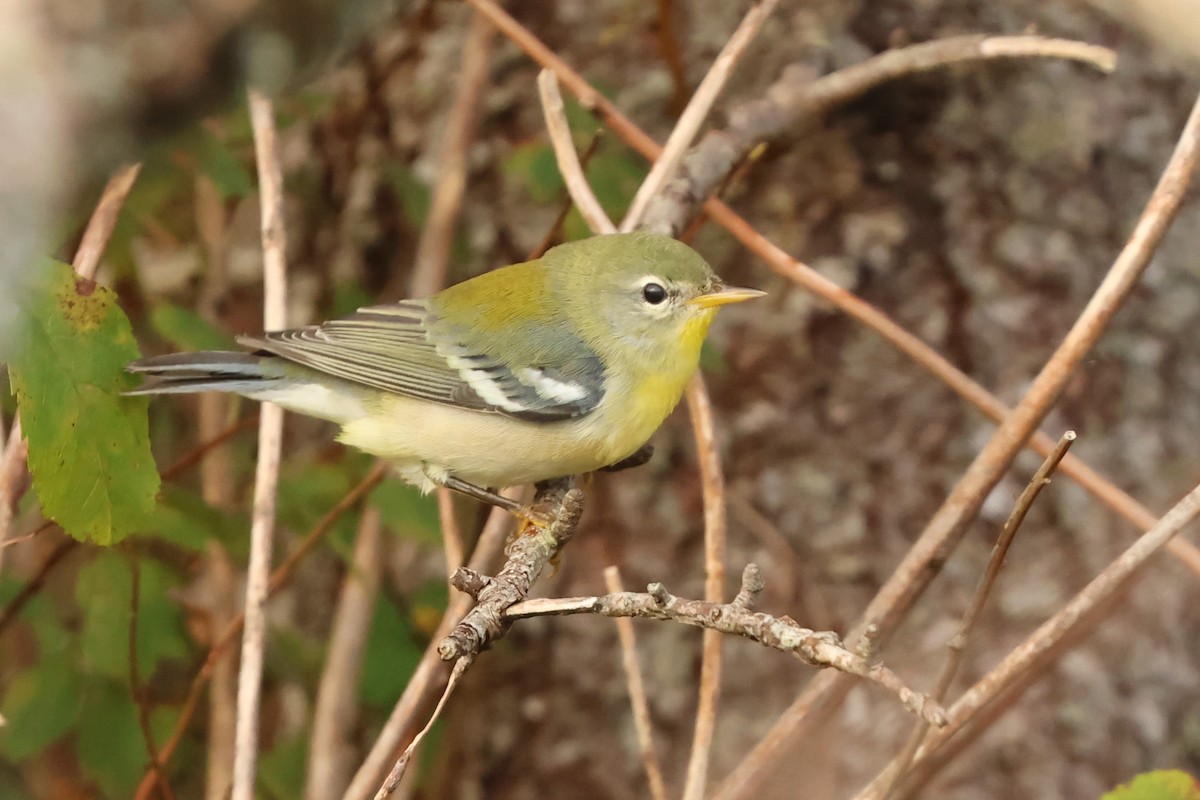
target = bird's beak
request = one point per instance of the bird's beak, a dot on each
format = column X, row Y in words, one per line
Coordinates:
column 725, row 295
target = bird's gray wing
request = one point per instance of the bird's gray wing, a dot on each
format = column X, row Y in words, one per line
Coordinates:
column 403, row 348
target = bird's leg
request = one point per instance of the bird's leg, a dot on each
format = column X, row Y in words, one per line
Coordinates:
column 527, row 515
column 639, row 457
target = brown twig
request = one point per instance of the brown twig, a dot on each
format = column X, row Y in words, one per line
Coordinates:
column 401, row 766
column 637, row 692
column 1052, row 636
column 433, row 249
column 566, row 156
column 135, row 680
column 431, row 671
column 103, row 221
column 225, row 640
column 818, row 648
column 944, row 529
column 958, row 644
column 197, row 453
column 331, row 754
column 672, row 54
column 688, row 124
column 715, row 523
column 556, row 226
column 217, row 489
column 270, row 440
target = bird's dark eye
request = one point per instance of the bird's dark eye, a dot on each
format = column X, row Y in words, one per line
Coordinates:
column 654, row 293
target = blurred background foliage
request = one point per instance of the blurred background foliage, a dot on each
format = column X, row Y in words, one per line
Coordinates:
column 977, row 207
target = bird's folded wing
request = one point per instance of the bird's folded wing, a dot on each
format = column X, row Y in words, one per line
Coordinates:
column 402, row 348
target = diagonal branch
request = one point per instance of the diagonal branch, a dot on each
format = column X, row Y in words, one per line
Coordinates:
column 567, row 158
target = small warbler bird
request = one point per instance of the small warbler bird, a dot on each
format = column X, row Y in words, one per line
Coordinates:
column 553, row 367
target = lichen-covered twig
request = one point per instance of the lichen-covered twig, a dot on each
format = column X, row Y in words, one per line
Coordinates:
column 527, row 557
column 738, row 618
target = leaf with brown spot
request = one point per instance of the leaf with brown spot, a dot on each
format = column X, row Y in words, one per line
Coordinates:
column 89, row 447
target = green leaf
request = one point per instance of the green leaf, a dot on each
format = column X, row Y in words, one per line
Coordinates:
column 187, row 330
column 102, row 591
column 110, row 745
column 281, row 769
column 40, row 705
column 184, row 519
column 391, row 657
column 1164, row 784
column 218, row 163
column 89, row 447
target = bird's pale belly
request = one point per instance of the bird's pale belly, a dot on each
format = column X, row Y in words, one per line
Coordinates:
column 489, row 449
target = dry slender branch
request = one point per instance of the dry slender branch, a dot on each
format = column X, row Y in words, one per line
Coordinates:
column 331, row 750
column 135, row 681
column 713, row 484
column 397, row 774
column 818, row 648
column 433, row 249
column 270, row 441
column 452, row 537
column 527, row 557
column 958, row 644
column 104, row 220
column 431, row 671
column 688, row 124
column 943, row 531
column 637, row 692
column 672, row 54
column 1045, row 644
column 216, row 486
column 225, row 640
column 566, row 156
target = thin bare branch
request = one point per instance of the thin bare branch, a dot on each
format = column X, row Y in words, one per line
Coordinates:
column 104, row 220
column 958, row 644
column 270, row 441
column 431, row 671
column 688, row 125
column 433, row 249
column 1052, row 637
column 401, row 766
column 568, row 159
column 713, row 484
column 818, row 648
column 135, row 681
column 331, row 752
column 637, row 692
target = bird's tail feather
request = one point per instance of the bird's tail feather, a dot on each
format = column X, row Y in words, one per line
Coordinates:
column 205, row 371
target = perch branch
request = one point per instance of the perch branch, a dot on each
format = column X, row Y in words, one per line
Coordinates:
column 818, row 648
column 527, row 557
column 693, row 116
